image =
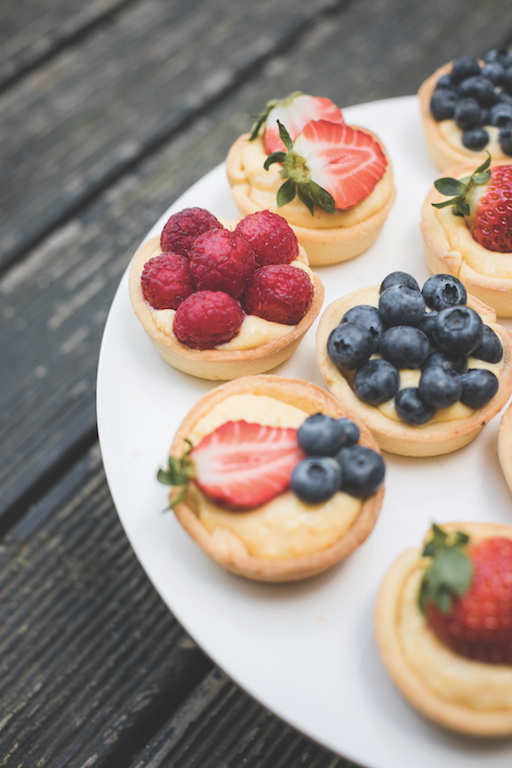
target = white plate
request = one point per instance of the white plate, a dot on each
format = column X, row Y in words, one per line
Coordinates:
column 306, row 651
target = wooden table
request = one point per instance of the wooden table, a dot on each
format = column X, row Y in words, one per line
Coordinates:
column 108, row 111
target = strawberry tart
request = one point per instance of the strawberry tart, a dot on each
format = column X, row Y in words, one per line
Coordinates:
column 466, row 109
column 469, row 234
column 332, row 182
column 272, row 480
column 424, row 369
column 222, row 300
column 443, row 624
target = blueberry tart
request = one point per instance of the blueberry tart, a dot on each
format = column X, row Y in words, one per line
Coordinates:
column 444, row 629
column 466, row 109
column 273, row 479
column 336, row 207
column 424, row 369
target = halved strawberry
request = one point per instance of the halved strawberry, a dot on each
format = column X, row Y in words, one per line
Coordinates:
column 242, row 465
column 295, row 112
column 330, row 165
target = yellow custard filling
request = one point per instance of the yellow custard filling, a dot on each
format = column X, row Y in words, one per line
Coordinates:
column 450, row 131
column 283, row 527
column 472, row 684
column 263, row 186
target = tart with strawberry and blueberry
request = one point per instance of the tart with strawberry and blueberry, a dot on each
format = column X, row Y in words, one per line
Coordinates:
column 466, row 109
column 224, row 299
column 425, row 368
column 443, row 625
column 332, row 182
column 273, row 479
column 467, row 230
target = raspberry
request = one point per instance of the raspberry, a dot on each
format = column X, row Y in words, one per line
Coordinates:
column 182, row 229
column 221, row 261
column 279, row 293
column 166, row 281
column 207, row 319
column 270, row 236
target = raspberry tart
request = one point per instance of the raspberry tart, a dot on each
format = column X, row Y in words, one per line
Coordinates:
column 443, row 625
column 424, row 369
column 272, row 480
column 469, row 234
column 222, row 300
column 332, row 182
column 466, row 109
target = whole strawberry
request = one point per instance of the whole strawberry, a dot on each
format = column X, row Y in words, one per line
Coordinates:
column 485, row 199
column 466, row 595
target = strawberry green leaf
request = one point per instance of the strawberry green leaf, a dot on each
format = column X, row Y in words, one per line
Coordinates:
column 285, row 136
column 260, row 119
column 304, row 197
column 450, row 572
column 451, row 201
column 482, row 178
column 448, row 186
column 275, row 157
column 321, row 197
column 286, row 193
column 179, row 470
column 484, row 165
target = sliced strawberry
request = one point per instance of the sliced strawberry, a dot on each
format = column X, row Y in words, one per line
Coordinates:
column 242, row 465
column 295, row 112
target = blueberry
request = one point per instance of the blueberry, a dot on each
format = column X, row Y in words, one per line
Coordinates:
column 401, row 305
column 486, row 116
column 467, row 114
column 316, row 479
column 442, row 104
column 376, row 382
column 445, row 81
column 442, row 291
column 321, row 435
column 490, row 348
column 493, row 72
column 404, row 346
column 351, row 432
column 505, row 139
column 398, row 278
column 478, row 88
column 501, row 56
column 458, row 330
column 507, row 80
column 457, row 364
column 350, row 345
column 440, row 387
column 501, row 114
column 369, row 318
column 463, row 68
column 362, row 469
column 504, row 98
column 427, row 323
column 411, row 407
column 478, row 387
column 475, row 139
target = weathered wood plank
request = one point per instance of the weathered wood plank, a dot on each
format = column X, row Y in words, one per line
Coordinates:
column 54, row 302
column 32, row 30
column 81, row 120
column 91, row 659
column 219, row 725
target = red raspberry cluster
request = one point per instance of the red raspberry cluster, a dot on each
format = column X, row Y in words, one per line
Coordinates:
column 211, row 276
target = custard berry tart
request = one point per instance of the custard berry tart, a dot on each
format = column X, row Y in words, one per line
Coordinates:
column 332, row 182
column 469, row 234
column 466, row 109
column 443, row 625
column 424, row 369
column 220, row 300
column 273, row 479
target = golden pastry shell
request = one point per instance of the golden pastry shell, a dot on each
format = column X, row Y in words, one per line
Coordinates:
column 397, row 437
column 323, row 246
column 505, row 446
column 410, row 684
column 224, row 546
column 216, row 363
column 441, row 257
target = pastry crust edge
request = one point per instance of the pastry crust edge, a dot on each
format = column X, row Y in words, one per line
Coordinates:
column 396, row 437
column 224, row 546
column 505, row 446
column 217, row 364
column 448, row 714
column 323, row 246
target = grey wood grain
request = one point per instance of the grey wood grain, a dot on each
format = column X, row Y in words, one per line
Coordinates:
column 91, row 659
column 82, row 119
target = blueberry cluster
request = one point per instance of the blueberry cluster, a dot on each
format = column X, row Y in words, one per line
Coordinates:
column 475, row 97
column 431, row 329
column 336, row 462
